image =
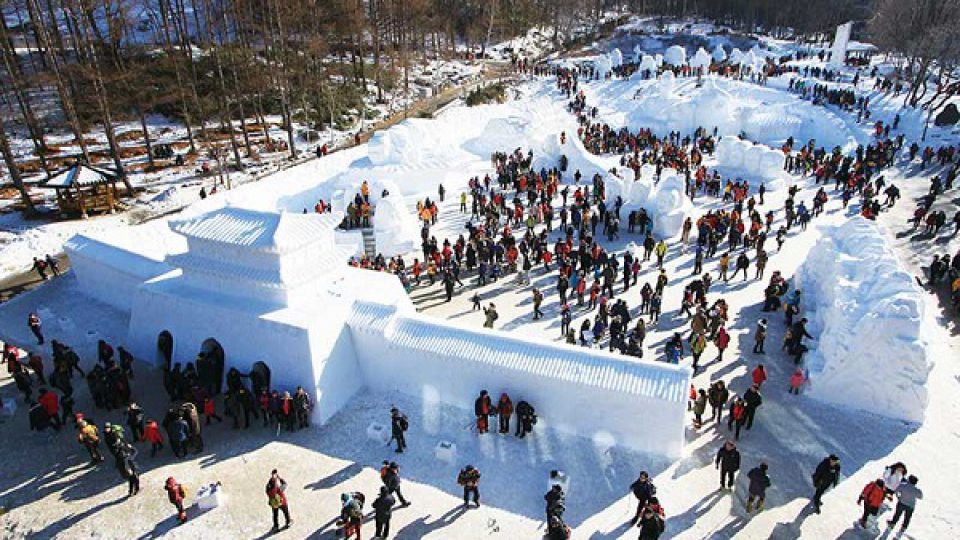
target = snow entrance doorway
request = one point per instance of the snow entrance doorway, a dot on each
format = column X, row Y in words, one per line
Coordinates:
column 210, row 364
column 259, row 378
column 165, row 349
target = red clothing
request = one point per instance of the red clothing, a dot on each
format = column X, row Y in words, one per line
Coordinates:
column 759, row 375
column 872, row 495
column 49, row 403
column 208, row 408
column 152, row 433
column 174, row 491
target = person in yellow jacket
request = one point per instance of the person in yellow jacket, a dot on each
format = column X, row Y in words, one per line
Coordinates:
column 724, row 266
column 90, row 439
column 661, row 250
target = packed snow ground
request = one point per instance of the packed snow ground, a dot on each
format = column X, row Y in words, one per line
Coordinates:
column 50, row 492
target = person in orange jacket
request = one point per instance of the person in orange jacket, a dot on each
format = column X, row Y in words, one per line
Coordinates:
column 871, row 497
column 505, row 410
column 152, row 433
column 797, row 380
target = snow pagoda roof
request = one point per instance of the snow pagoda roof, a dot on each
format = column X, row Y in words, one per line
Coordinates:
column 253, row 229
column 81, row 174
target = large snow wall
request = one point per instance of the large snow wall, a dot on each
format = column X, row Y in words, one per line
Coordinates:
column 866, row 313
column 587, row 393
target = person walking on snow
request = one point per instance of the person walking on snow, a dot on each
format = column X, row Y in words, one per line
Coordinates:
column 908, row 494
column 728, row 462
column 759, row 482
column 469, row 478
column 33, row 321
column 871, row 498
column 382, row 511
column 759, row 375
column 760, row 336
column 176, row 494
column 391, row 480
column 752, row 401
column 643, row 489
column 826, row 475
column 737, row 415
column 398, row 425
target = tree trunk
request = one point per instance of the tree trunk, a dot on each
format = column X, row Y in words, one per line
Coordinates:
column 15, row 177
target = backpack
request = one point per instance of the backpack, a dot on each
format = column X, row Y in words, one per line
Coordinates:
column 404, row 423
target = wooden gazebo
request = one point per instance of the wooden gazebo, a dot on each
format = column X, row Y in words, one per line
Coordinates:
column 82, row 189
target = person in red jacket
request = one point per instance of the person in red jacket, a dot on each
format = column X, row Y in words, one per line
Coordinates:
column 759, row 375
column 871, row 497
column 176, row 494
column 722, row 341
column 505, row 410
column 152, row 433
column 738, row 415
column 482, row 409
column 48, row 400
column 277, row 500
column 210, row 410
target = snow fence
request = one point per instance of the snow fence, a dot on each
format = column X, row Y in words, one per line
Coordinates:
column 867, row 314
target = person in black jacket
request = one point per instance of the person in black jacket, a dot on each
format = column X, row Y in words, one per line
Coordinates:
column 391, row 480
column 383, row 509
column 556, row 502
column 728, row 461
column 826, row 475
column 526, row 418
column 752, row 400
column 651, row 525
column 642, row 489
column 398, row 424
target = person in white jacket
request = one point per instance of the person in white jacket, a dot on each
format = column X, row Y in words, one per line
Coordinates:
column 893, row 476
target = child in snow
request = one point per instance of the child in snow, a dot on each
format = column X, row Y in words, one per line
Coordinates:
column 796, row 381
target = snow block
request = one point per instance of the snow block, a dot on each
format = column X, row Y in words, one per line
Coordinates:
column 209, row 497
column 446, row 451
column 378, row 432
column 867, row 315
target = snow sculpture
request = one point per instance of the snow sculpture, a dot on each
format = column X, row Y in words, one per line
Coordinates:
column 736, row 55
column 394, row 146
column 866, row 313
column 675, row 55
column 838, row 52
column 719, row 55
column 602, row 65
column 616, row 58
column 671, row 206
column 701, row 59
column 394, row 226
column 667, row 83
column 648, row 63
column 756, row 162
column 715, row 107
column 637, row 53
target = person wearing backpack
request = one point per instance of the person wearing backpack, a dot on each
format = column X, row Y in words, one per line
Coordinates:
column 351, row 513
column 277, row 500
column 398, row 425
column 469, row 478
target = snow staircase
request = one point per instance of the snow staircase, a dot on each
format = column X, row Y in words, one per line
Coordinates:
column 369, row 243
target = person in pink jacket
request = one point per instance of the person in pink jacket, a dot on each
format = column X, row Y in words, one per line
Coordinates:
column 796, row 381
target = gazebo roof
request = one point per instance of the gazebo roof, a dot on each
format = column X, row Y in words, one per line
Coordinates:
column 81, row 174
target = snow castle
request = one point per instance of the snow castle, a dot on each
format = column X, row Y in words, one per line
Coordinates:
column 271, row 291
